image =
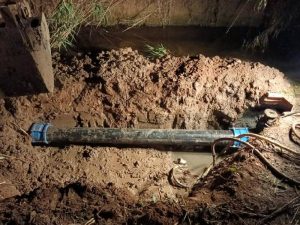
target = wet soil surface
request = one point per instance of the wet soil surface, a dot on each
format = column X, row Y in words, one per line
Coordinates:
column 109, row 185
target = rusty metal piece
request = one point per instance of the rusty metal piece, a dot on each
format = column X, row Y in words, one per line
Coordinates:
column 26, row 64
column 277, row 101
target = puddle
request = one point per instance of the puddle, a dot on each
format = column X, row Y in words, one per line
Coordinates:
column 196, row 161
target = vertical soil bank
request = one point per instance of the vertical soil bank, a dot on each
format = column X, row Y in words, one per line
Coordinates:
column 173, row 12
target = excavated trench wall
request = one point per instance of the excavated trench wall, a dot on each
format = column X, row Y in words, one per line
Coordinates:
column 216, row 13
column 186, row 12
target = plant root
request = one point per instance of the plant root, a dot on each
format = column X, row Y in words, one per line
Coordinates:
column 280, row 210
column 259, row 155
column 294, row 127
column 174, row 181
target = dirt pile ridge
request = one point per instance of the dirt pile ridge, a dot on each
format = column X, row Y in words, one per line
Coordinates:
column 124, row 89
column 118, row 89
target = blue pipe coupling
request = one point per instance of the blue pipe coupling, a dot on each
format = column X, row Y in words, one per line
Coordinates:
column 38, row 132
column 237, row 131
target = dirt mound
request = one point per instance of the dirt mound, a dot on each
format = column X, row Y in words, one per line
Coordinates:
column 124, row 89
column 120, row 89
column 75, row 202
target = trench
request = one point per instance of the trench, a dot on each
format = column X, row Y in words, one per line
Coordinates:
column 122, row 88
column 195, row 40
column 206, row 81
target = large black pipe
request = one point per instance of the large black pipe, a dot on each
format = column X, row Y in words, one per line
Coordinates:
column 134, row 136
column 47, row 134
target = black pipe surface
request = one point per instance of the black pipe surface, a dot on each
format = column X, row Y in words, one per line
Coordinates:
column 134, row 136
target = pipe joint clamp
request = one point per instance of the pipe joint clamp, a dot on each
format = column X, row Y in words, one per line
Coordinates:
column 237, row 131
column 38, row 132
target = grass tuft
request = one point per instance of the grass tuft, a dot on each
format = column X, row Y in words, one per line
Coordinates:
column 98, row 14
column 156, row 52
column 66, row 20
column 261, row 5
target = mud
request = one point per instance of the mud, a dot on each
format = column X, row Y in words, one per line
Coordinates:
column 73, row 184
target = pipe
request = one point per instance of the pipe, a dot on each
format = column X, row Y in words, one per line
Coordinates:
column 44, row 133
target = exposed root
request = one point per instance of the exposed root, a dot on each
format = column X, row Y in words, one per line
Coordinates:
column 280, row 210
column 259, row 155
column 291, row 114
column 174, row 181
column 90, row 222
column 294, row 127
column 21, row 130
column 270, row 141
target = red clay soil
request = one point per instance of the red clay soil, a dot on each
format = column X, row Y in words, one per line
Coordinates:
column 73, row 184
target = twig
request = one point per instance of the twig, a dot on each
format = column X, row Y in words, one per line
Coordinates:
column 4, row 156
column 236, row 18
column 278, row 211
column 136, row 23
column 250, row 214
column 90, row 222
column 294, row 217
column 258, row 154
column 258, row 137
column 291, row 114
column 21, row 129
column 270, row 141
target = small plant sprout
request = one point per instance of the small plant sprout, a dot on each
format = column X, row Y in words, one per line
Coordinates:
column 233, row 169
column 156, row 52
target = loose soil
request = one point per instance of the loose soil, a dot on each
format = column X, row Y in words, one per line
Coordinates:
column 109, row 185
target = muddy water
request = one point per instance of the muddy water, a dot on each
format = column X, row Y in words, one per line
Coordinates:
column 196, row 161
column 182, row 41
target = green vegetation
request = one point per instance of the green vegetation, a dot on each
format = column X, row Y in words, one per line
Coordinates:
column 98, row 14
column 233, row 169
column 69, row 16
column 278, row 15
column 156, row 52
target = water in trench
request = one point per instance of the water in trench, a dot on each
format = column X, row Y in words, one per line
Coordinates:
column 182, row 41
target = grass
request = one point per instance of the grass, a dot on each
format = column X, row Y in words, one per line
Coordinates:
column 66, row 20
column 156, row 52
column 261, row 5
column 275, row 22
column 155, row 9
column 98, row 14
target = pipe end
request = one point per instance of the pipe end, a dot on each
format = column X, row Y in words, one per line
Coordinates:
column 38, row 133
